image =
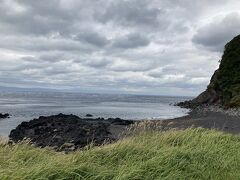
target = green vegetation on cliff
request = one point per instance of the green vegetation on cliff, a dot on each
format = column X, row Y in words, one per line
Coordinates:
column 224, row 88
column 227, row 80
column 188, row 154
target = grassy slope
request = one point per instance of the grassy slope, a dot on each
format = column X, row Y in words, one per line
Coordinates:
column 189, row 154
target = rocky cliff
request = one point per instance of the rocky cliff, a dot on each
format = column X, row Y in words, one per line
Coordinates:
column 224, row 87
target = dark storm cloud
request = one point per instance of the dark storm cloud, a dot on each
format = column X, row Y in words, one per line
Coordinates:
column 217, row 33
column 153, row 46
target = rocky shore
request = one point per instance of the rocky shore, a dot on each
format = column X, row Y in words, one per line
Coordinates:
column 68, row 132
column 3, row 116
column 218, row 109
column 212, row 108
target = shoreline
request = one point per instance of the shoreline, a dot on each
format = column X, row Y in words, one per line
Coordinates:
column 69, row 132
column 210, row 117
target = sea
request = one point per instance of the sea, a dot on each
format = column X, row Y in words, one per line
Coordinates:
column 24, row 106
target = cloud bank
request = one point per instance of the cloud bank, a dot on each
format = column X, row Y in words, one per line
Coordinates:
column 168, row 47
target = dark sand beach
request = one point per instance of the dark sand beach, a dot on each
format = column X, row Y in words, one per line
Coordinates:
column 205, row 119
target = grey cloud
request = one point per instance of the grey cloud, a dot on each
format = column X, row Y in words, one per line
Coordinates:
column 216, row 34
column 52, row 57
column 113, row 44
column 97, row 63
column 44, row 44
column 131, row 41
column 30, row 22
column 131, row 13
column 189, row 7
column 92, row 38
column 42, row 17
column 130, row 67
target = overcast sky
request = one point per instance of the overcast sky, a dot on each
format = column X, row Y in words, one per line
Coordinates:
column 165, row 47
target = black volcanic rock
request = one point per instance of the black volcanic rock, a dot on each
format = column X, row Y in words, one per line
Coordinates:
column 2, row 116
column 89, row 115
column 118, row 121
column 224, row 87
column 65, row 132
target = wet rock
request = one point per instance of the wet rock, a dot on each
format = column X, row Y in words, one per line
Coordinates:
column 66, row 132
column 118, row 121
column 89, row 115
column 2, row 116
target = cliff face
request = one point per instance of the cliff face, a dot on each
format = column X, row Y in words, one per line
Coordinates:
column 224, row 87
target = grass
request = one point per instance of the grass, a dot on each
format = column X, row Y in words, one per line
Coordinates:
column 182, row 154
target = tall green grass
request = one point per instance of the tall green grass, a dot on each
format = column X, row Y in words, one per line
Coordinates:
column 182, row 154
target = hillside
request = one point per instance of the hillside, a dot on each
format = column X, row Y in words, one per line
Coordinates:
column 224, row 87
column 188, row 154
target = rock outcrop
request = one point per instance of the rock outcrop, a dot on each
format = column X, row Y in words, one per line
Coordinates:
column 2, row 116
column 224, row 87
column 66, row 132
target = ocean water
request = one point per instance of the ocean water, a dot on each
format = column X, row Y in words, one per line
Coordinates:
column 24, row 106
